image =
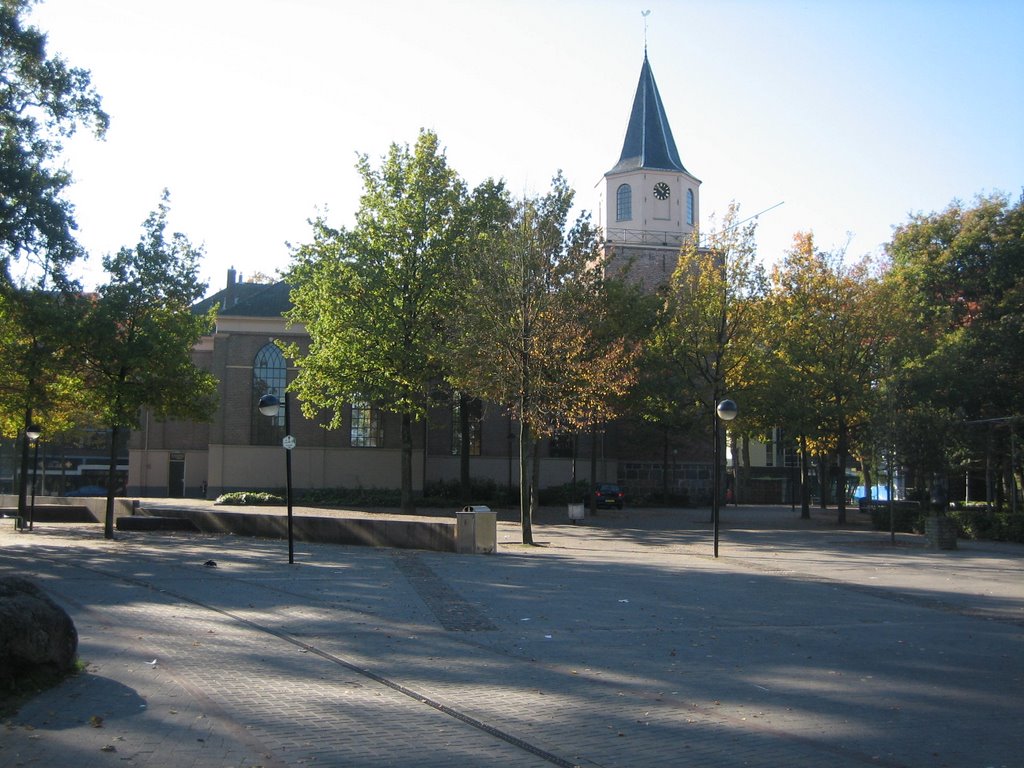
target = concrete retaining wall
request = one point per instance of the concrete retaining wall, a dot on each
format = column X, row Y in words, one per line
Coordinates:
column 429, row 534
column 435, row 535
column 97, row 505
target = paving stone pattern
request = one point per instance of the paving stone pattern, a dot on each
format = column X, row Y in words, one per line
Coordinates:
column 620, row 642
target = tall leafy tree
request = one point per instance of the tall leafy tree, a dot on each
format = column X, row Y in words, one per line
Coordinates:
column 829, row 346
column 38, row 367
column 374, row 298
column 138, row 335
column 960, row 275
column 43, row 100
column 489, row 213
column 787, row 394
column 531, row 338
column 706, row 335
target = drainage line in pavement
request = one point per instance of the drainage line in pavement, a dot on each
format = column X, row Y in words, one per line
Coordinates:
column 393, row 685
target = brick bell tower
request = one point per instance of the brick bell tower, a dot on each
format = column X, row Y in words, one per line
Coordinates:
column 651, row 203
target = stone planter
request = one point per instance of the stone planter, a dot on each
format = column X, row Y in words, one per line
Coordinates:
column 940, row 532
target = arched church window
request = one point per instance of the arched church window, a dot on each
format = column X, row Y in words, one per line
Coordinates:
column 367, row 427
column 689, row 207
column 269, row 376
column 623, row 203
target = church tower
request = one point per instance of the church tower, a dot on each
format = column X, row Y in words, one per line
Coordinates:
column 651, row 203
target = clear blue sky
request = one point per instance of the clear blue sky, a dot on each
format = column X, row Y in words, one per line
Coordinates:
column 252, row 112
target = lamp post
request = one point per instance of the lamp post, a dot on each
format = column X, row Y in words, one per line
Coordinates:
column 271, row 406
column 726, row 411
column 33, row 433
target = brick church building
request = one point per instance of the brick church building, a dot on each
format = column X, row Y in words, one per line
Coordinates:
column 649, row 207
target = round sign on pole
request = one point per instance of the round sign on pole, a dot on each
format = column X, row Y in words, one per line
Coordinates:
column 288, row 442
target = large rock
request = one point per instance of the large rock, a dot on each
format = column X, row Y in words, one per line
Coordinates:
column 35, row 632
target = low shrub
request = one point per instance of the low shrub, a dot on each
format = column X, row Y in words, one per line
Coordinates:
column 569, row 493
column 979, row 521
column 443, row 493
column 250, row 498
column 351, row 497
column 907, row 516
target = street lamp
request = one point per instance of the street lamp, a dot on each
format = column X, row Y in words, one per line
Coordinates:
column 726, row 411
column 32, row 433
column 271, row 406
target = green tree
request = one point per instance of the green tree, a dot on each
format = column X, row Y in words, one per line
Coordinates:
column 138, row 335
column 374, row 299
column 38, row 370
column 959, row 274
column 489, row 213
column 829, row 343
column 706, row 335
column 531, row 338
column 42, row 101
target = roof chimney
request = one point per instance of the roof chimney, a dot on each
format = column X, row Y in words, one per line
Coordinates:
column 229, row 291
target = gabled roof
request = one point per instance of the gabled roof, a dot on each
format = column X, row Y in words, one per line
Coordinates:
column 273, row 301
column 649, row 142
column 248, row 300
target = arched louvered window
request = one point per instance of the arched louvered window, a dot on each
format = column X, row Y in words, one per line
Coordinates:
column 269, row 376
column 623, row 203
column 690, row 205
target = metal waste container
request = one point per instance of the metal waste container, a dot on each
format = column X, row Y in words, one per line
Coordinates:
column 476, row 530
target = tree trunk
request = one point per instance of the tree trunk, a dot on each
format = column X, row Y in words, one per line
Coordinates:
column 716, row 464
column 108, row 518
column 23, row 478
column 525, row 520
column 990, row 495
column 841, row 482
column 664, row 466
column 1015, row 474
column 534, row 482
column 591, row 498
column 464, row 443
column 824, row 482
column 741, row 464
column 575, row 452
column 408, row 508
column 805, row 485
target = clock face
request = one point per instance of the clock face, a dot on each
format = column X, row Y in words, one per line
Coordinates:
column 661, row 190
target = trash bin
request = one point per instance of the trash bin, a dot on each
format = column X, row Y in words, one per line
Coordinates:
column 576, row 512
column 476, row 530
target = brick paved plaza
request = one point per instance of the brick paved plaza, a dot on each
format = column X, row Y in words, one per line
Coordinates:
column 619, row 642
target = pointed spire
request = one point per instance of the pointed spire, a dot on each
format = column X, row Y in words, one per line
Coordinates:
column 649, row 142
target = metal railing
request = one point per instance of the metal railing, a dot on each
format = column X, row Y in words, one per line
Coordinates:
column 646, row 237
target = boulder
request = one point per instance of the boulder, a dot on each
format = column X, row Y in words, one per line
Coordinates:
column 35, row 632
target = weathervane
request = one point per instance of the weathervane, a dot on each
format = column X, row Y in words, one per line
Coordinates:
column 645, row 14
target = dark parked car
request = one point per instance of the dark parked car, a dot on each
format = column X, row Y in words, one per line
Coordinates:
column 608, row 495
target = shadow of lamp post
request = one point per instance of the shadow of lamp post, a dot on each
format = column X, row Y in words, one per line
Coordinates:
column 271, row 406
column 726, row 411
